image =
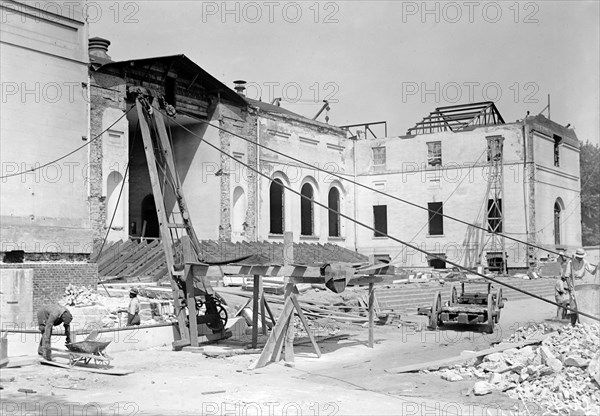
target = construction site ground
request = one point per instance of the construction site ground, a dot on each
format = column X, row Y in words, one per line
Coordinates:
column 348, row 379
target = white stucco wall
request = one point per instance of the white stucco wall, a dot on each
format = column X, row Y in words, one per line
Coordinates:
column 43, row 70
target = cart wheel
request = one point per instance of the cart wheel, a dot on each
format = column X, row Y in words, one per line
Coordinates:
column 491, row 307
column 436, row 311
column 499, row 300
column 453, row 295
column 220, row 325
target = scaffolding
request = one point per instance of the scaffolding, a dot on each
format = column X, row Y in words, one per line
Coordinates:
column 458, row 117
column 492, row 245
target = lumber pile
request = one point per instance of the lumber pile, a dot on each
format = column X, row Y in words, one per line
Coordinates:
column 562, row 375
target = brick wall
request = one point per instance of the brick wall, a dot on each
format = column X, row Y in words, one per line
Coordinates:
column 106, row 91
column 51, row 278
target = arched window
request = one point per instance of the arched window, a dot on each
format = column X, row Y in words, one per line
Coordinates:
column 150, row 227
column 238, row 217
column 113, row 188
column 333, row 202
column 276, row 201
column 306, row 210
column 557, row 215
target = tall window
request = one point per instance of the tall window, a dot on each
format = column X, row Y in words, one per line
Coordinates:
column 557, row 142
column 333, row 202
column 170, row 90
column 494, row 215
column 276, row 201
column 494, row 148
column 557, row 212
column 379, row 158
column 380, row 220
column 306, row 210
column 434, row 153
column 436, row 218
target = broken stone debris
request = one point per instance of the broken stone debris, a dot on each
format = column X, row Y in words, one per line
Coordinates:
column 561, row 374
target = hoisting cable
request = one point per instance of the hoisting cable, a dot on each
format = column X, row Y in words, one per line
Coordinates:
column 257, row 171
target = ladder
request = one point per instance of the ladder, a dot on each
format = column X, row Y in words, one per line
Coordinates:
column 180, row 243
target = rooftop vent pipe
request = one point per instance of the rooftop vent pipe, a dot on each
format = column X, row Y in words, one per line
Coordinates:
column 98, row 47
column 240, row 86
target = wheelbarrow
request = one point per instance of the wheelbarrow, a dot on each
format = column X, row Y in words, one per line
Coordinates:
column 92, row 348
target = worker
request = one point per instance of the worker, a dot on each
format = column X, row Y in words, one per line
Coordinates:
column 562, row 260
column 578, row 271
column 133, row 310
column 579, row 268
column 50, row 316
column 561, row 295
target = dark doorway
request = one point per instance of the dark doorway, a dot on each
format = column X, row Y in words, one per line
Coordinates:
column 149, row 218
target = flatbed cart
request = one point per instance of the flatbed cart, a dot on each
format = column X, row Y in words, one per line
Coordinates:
column 470, row 308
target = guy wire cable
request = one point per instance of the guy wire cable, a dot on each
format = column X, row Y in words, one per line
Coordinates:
column 257, row 171
column 361, row 185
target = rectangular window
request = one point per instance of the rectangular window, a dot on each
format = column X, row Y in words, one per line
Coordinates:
column 437, row 262
column 382, row 258
column 434, row 153
column 495, row 261
column 380, row 220
column 436, row 219
column 494, row 148
column 494, row 215
column 379, row 158
column 557, row 142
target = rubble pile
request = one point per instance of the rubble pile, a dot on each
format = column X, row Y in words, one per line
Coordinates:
column 78, row 296
column 528, row 331
column 562, row 375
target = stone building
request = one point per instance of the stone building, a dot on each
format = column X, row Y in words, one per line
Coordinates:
column 445, row 164
column 46, row 231
column 227, row 199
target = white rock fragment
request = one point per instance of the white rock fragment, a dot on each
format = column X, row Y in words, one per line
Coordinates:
column 482, row 388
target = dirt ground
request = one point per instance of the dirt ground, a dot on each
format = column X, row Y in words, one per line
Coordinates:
column 348, row 379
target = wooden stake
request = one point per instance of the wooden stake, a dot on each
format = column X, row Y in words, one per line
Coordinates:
column 371, row 313
column 255, row 300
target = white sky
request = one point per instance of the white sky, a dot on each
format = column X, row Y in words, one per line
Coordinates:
column 375, row 58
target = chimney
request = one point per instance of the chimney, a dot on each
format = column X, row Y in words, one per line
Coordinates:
column 240, row 86
column 98, row 47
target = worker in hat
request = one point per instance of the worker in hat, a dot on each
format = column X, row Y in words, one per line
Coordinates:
column 133, row 310
column 50, row 316
column 581, row 271
column 579, row 267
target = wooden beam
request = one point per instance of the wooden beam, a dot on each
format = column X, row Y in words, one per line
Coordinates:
column 255, row 300
column 305, row 324
column 162, row 218
column 371, row 313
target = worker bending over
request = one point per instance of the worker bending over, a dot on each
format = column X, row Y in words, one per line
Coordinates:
column 50, row 316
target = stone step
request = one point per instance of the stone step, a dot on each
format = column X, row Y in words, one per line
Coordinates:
column 409, row 299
